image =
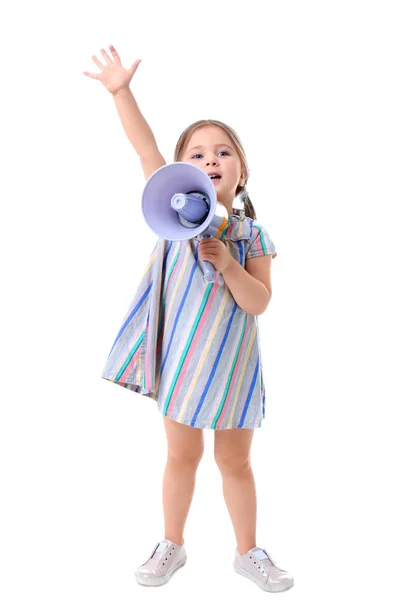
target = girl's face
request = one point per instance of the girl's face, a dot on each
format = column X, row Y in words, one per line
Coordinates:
column 211, row 149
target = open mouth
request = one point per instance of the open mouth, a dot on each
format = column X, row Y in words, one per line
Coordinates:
column 214, row 177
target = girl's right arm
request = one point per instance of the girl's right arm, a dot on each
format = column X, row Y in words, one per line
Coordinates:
column 138, row 131
column 116, row 79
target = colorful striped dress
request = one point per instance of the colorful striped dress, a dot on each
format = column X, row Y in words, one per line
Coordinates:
column 186, row 343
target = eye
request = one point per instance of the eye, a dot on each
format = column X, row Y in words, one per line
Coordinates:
column 220, row 152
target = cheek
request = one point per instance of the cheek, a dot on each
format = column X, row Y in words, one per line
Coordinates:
column 233, row 170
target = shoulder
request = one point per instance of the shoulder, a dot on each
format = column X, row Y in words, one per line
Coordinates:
column 256, row 229
column 245, row 228
column 260, row 242
column 251, row 233
column 239, row 228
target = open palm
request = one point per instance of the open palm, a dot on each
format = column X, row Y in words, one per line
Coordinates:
column 113, row 75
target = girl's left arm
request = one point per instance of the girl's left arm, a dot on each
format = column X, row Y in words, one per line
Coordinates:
column 250, row 286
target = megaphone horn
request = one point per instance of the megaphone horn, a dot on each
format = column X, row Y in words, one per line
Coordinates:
column 179, row 202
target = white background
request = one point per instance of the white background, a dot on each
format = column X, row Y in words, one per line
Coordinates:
column 312, row 88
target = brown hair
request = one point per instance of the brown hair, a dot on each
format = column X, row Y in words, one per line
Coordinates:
column 248, row 206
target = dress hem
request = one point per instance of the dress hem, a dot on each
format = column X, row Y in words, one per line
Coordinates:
column 143, row 392
column 206, row 426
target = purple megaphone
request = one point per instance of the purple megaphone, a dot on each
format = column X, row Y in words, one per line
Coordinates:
column 179, row 202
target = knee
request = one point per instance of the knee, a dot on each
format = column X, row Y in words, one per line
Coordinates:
column 186, row 457
column 232, row 462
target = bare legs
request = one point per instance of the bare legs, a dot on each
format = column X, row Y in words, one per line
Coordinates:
column 232, row 455
column 185, row 449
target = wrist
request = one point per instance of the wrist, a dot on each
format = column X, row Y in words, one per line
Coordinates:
column 124, row 91
column 230, row 266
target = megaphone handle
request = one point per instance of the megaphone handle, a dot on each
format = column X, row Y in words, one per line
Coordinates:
column 208, row 267
column 208, row 270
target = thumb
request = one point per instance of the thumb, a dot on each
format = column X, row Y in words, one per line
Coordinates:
column 135, row 66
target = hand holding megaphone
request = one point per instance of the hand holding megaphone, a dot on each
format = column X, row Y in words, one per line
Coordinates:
column 179, row 202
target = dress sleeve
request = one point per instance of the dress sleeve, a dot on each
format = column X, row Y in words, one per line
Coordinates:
column 260, row 242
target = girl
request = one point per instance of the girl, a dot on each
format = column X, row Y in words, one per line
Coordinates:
column 193, row 346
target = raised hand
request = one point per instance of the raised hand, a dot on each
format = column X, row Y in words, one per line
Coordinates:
column 113, row 75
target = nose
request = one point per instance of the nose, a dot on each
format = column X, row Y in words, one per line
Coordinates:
column 212, row 161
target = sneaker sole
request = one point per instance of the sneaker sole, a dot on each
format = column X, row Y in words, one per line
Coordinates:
column 280, row 587
column 142, row 580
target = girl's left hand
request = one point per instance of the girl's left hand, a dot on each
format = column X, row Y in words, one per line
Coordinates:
column 216, row 252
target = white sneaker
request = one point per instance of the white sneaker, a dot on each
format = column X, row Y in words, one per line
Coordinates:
column 165, row 559
column 258, row 566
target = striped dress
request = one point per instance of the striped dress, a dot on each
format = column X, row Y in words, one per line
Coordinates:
column 186, row 343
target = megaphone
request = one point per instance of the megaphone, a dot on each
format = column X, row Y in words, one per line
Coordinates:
column 179, row 202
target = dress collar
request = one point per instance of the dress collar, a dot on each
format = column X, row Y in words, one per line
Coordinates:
column 238, row 214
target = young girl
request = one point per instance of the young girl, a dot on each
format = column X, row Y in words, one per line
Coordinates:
column 193, row 346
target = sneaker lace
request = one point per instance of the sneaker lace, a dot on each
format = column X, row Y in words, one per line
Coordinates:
column 265, row 562
column 167, row 554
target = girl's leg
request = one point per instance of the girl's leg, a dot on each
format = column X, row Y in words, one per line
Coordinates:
column 185, row 449
column 232, row 455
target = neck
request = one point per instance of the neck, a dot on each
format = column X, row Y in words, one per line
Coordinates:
column 228, row 205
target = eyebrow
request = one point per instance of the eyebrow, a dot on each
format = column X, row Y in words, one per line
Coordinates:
column 216, row 146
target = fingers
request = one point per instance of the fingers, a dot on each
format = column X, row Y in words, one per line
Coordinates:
column 135, row 66
column 208, row 239
column 207, row 250
column 109, row 61
column 92, row 75
column 98, row 63
column 106, row 57
column 114, row 53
